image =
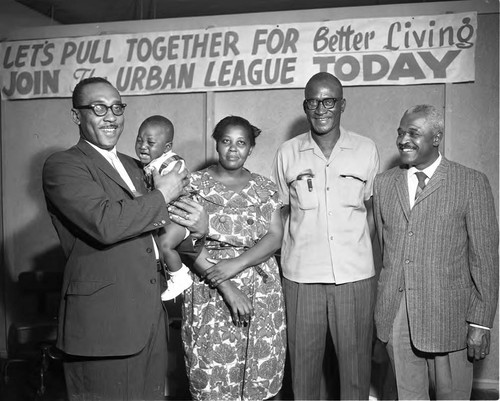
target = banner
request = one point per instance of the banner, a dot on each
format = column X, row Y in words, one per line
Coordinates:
column 378, row 51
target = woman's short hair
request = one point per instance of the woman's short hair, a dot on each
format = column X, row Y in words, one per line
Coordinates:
column 231, row 121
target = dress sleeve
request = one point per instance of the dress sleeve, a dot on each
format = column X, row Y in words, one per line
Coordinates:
column 269, row 194
column 275, row 200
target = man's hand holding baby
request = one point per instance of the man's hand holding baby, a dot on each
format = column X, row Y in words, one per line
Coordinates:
column 171, row 184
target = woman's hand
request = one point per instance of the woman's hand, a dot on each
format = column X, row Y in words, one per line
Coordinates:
column 222, row 270
column 239, row 305
column 190, row 214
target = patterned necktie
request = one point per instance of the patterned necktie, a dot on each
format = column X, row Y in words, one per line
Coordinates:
column 421, row 183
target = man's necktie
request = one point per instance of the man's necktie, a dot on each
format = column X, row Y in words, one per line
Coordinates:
column 421, row 183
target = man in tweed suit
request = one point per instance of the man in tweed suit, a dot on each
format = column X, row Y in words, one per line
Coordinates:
column 438, row 289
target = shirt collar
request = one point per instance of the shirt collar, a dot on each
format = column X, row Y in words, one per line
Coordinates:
column 429, row 171
column 104, row 152
column 343, row 141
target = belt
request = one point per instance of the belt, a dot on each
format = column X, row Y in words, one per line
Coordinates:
column 218, row 245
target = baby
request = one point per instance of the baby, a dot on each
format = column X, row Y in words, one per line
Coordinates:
column 154, row 149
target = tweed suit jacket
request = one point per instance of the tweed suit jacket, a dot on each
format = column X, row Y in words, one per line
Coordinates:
column 111, row 291
column 443, row 253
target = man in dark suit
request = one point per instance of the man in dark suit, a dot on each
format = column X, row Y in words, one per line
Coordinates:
column 112, row 325
column 438, row 288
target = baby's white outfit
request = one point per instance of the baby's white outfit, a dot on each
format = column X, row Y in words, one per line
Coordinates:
column 181, row 279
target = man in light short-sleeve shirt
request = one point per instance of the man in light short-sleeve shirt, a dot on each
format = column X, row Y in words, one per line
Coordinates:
column 325, row 180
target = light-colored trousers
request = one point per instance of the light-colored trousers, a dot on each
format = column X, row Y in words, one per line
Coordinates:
column 449, row 375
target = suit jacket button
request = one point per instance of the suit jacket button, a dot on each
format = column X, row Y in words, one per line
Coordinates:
column 401, row 289
column 152, row 281
column 149, row 250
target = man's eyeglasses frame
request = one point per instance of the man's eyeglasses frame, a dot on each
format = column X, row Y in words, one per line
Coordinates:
column 313, row 104
column 117, row 109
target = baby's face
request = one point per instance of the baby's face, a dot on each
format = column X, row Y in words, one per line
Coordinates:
column 151, row 143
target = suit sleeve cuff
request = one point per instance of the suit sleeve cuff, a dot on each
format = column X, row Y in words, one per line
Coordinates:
column 479, row 326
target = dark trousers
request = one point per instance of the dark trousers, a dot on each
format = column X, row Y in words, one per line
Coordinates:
column 136, row 377
column 345, row 309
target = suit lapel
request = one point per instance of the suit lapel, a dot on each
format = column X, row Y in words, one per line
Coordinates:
column 135, row 173
column 435, row 182
column 102, row 164
column 401, row 183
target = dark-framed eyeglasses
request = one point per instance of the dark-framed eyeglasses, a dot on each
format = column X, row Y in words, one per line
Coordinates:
column 328, row 103
column 101, row 109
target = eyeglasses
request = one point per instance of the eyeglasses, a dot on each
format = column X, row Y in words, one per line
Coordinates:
column 328, row 103
column 100, row 109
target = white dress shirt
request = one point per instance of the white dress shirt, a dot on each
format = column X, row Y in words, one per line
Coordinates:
column 413, row 180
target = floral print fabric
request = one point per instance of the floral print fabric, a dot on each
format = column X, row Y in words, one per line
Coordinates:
column 223, row 361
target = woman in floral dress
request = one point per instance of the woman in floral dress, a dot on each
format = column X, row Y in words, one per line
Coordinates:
column 233, row 316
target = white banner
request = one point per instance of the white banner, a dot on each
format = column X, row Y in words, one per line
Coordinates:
column 378, row 51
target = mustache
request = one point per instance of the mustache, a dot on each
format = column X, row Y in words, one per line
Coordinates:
column 406, row 146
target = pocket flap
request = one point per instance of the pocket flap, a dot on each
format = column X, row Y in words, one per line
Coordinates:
column 354, row 176
column 86, row 287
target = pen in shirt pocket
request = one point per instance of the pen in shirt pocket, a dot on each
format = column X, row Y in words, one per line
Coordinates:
column 309, row 176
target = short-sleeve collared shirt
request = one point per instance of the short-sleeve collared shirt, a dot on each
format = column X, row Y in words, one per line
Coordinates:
column 327, row 237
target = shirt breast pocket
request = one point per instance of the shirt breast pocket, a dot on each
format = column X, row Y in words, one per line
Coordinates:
column 306, row 195
column 352, row 187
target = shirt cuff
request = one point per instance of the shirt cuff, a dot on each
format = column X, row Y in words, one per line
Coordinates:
column 481, row 327
column 194, row 241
